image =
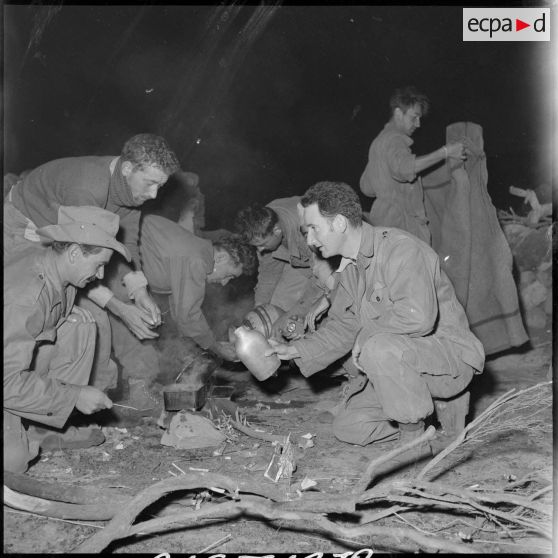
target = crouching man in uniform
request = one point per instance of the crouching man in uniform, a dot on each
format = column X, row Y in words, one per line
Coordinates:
column 396, row 310
column 284, row 258
column 178, row 266
column 49, row 343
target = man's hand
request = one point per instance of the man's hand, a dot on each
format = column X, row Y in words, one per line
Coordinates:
column 282, row 350
column 225, row 350
column 456, row 151
column 316, row 312
column 136, row 320
column 80, row 315
column 280, row 329
column 91, row 400
column 144, row 302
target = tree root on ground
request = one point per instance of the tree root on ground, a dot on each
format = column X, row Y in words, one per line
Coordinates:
column 516, row 509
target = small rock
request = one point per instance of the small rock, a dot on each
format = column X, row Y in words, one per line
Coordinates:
column 535, row 318
column 533, row 294
column 532, row 249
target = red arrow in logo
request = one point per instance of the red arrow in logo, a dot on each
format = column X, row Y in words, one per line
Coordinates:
column 519, row 25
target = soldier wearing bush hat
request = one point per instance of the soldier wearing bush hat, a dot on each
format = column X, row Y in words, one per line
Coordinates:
column 49, row 343
column 85, row 225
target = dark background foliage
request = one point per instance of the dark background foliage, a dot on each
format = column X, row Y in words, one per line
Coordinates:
column 263, row 101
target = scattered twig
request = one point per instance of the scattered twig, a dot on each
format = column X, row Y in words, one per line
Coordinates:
column 216, row 543
column 371, row 517
column 255, row 434
column 413, row 526
column 81, row 523
column 125, row 406
column 177, row 467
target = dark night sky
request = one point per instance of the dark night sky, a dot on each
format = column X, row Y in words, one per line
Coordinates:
column 263, row 102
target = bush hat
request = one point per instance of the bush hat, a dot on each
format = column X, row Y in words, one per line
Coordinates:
column 85, row 225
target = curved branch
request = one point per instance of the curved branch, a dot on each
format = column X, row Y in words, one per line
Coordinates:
column 58, row 510
column 368, row 475
column 271, row 512
column 119, row 526
column 59, row 492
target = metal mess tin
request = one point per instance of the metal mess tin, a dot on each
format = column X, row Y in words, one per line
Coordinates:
column 178, row 397
column 221, row 392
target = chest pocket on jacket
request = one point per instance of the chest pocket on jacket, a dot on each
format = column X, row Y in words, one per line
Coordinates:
column 377, row 301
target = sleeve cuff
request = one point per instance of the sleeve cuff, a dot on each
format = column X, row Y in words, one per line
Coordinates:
column 205, row 341
column 133, row 281
column 304, row 358
column 100, row 295
column 72, row 391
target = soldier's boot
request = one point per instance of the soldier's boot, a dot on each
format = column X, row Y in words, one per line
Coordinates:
column 72, row 437
column 451, row 415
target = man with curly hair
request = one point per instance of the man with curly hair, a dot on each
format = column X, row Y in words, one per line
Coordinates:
column 396, row 310
column 392, row 173
column 120, row 184
column 178, row 266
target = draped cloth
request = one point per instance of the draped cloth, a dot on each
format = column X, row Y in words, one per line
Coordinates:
column 472, row 247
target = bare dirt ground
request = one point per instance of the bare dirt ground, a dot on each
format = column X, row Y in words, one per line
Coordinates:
column 132, row 458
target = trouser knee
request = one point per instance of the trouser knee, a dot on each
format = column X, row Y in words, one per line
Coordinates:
column 391, row 367
column 16, row 460
column 18, row 449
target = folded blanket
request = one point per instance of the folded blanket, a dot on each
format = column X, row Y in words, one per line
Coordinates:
column 472, row 247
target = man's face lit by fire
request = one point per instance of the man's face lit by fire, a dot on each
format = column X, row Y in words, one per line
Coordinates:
column 224, row 269
column 321, row 232
column 268, row 243
column 144, row 182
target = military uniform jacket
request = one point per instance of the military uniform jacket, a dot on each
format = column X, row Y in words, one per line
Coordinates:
column 292, row 251
column 89, row 180
column 390, row 177
column 177, row 263
column 35, row 304
column 395, row 286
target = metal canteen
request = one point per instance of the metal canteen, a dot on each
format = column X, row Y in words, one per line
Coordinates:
column 261, row 318
column 250, row 347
